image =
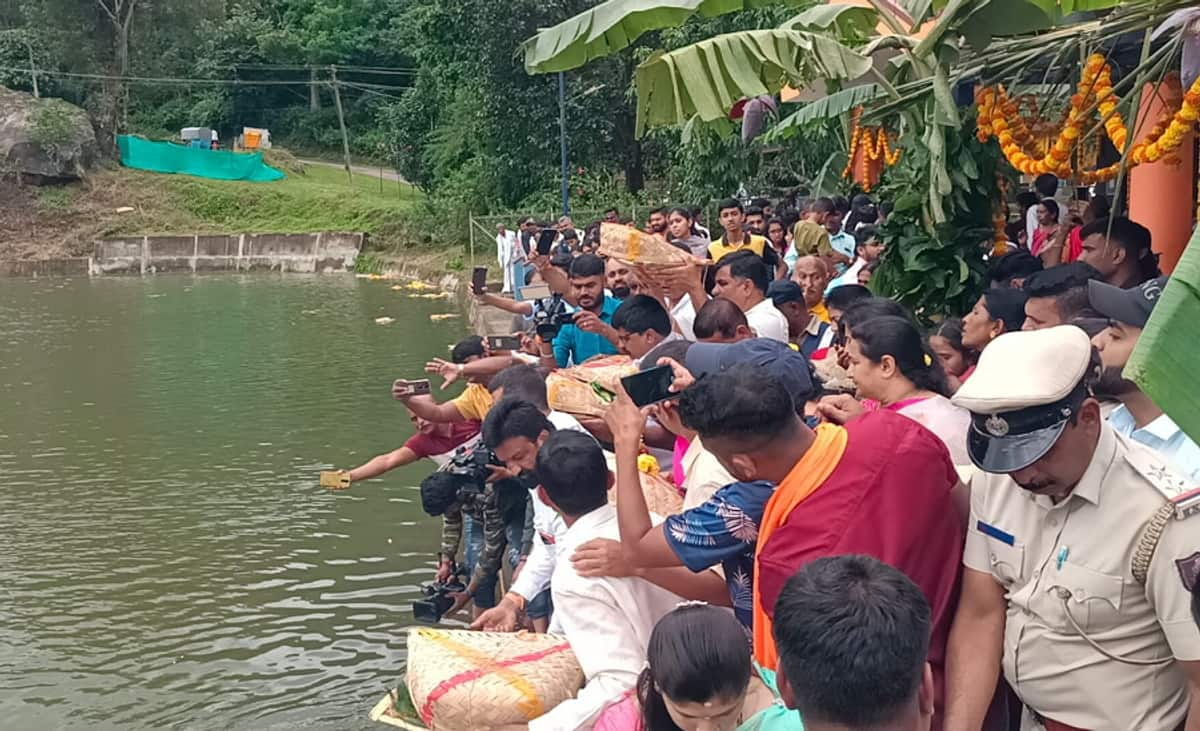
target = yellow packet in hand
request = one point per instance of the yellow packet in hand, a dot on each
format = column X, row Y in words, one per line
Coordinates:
column 335, row 479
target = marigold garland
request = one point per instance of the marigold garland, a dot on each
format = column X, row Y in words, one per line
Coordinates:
column 875, row 146
column 1000, row 117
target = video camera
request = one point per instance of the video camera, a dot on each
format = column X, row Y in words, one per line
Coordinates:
column 550, row 315
column 437, row 600
column 473, row 461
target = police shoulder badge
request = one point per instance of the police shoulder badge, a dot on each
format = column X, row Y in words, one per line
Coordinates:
column 996, row 425
column 1189, row 570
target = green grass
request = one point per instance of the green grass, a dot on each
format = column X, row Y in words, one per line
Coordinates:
column 319, row 199
column 51, row 199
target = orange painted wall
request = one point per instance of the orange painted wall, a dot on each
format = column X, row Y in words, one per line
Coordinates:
column 1160, row 194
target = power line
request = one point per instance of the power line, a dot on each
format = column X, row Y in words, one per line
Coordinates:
column 368, row 90
column 189, row 81
column 370, row 70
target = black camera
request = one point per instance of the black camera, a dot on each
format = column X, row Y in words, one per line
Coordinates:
column 473, row 462
column 550, row 315
column 437, row 600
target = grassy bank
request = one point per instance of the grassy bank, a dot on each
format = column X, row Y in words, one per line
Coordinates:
column 52, row 221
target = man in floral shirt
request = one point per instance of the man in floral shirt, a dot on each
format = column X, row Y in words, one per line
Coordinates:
column 722, row 531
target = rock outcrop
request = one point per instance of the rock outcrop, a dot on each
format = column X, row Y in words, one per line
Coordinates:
column 44, row 140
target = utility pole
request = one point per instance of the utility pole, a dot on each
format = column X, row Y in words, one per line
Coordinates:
column 337, row 100
column 562, row 140
column 32, row 70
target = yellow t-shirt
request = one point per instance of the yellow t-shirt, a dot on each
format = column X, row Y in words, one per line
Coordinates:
column 822, row 312
column 811, row 239
column 719, row 248
column 474, row 403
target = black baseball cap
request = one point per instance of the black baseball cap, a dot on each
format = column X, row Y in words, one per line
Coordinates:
column 1127, row 306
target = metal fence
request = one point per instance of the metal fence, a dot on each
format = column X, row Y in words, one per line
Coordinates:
column 483, row 228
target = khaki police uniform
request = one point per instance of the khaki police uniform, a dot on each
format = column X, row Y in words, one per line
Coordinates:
column 1089, row 641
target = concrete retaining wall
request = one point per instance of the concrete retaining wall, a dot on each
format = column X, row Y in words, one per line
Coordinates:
column 75, row 267
column 316, row 252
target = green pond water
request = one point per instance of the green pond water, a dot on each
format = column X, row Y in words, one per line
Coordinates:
column 167, row 558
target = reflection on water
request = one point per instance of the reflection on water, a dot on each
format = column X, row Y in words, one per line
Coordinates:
column 166, row 556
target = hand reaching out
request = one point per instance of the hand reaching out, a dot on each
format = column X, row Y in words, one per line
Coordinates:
column 444, row 368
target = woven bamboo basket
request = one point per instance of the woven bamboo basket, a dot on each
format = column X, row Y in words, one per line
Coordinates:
column 661, row 496
column 571, row 396
column 635, row 247
column 570, row 389
column 461, row 680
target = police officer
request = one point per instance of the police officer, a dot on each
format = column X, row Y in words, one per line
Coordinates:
column 1080, row 554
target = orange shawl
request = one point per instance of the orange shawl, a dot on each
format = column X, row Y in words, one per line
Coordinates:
column 804, row 479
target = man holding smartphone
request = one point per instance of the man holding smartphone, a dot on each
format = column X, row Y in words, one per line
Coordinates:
column 592, row 332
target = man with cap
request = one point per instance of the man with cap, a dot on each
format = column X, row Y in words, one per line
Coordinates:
column 882, row 485
column 1078, row 561
column 701, row 537
column 1138, row 417
column 805, row 330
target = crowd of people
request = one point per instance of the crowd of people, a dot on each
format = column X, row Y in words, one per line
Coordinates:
column 983, row 525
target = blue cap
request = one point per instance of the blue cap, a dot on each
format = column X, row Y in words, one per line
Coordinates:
column 782, row 291
column 779, row 360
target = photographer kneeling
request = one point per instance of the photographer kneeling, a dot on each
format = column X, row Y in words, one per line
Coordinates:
column 462, row 487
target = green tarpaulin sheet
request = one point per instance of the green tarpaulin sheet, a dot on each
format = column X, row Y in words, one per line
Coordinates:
column 1164, row 362
column 165, row 157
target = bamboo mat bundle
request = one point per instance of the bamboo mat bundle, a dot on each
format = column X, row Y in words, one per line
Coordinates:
column 588, row 389
column 662, row 498
column 641, row 249
column 461, row 680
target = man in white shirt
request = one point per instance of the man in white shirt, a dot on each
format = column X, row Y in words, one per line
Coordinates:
column 868, row 248
column 742, row 278
column 506, row 254
column 607, row 621
column 1138, row 417
column 514, row 429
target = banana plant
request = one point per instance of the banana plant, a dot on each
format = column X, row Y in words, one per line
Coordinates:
column 899, row 59
column 614, row 25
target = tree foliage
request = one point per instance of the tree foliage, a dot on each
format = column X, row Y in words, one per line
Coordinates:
column 466, row 123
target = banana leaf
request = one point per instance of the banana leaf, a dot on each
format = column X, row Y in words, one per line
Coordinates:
column 843, row 20
column 705, row 79
column 1163, row 364
column 616, row 24
column 827, row 107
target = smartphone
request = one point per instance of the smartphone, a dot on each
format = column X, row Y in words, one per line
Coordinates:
column 479, row 279
column 411, row 388
column 335, row 480
column 650, row 386
column 535, row 292
column 545, row 241
column 504, row 342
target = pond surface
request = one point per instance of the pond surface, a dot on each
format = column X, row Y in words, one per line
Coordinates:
column 167, row 558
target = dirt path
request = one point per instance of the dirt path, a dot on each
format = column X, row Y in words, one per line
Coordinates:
column 364, row 170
